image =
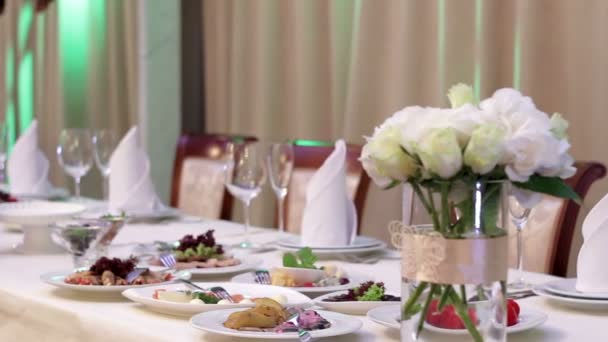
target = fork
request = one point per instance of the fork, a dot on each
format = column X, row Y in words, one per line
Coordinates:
column 303, row 335
column 218, row 291
column 167, row 259
column 262, row 277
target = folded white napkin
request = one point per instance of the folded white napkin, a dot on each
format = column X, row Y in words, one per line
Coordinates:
column 329, row 217
column 131, row 187
column 592, row 273
column 28, row 168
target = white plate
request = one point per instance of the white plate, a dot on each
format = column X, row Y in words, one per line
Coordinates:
column 57, row 279
column 347, row 251
column 248, row 278
column 528, row 319
column 144, row 296
column 213, row 322
column 245, row 265
column 389, row 316
column 360, row 242
column 567, row 287
column 580, row 303
column 350, row 308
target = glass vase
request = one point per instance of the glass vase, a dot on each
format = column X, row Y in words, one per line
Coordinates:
column 454, row 268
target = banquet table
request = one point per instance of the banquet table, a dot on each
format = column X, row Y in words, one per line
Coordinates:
column 31, row 310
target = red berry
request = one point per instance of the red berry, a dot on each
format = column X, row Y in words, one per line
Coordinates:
column 473, row 316
column 449, row 319
column 308, row 284
column 511, row 302
column 432, row 316
column 512, row 313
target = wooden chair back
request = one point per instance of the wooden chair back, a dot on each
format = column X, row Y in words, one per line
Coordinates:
column 198, row 176
column 550, row 229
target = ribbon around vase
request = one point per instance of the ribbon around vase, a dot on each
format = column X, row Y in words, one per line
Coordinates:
column 428, row 256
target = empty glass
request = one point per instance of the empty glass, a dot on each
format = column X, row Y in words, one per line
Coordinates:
column 104, row 143
column 244, row 179
column 519, row 217
column 75, row 154
column 279, row 162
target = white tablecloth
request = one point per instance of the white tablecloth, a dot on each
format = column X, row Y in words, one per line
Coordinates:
column 34, row 311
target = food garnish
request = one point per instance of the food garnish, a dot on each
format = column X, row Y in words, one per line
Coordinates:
column 303, row 258
column 365, row 292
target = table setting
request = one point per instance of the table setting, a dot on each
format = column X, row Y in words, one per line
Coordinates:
column 130, row 267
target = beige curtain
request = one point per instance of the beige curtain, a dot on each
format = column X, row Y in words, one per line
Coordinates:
column 328, row 69
column 109, row 99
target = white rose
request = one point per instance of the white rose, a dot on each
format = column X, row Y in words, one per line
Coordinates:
column 440, row 152
column 509, row 108
column 460, row 94
column 527, row 151
column 384, row 159
column 485, row 149
column 559, row 126
column 414, row 123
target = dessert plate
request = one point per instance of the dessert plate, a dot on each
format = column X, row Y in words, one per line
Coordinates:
column 245, row 265
column 337, row 251
column 213, row 322
column 144, row 296
column 567, row 287
column 573, row 302
column 389, row 316
column 248, row 278
column 360, row 242
column 57, row 279
column 350, row 307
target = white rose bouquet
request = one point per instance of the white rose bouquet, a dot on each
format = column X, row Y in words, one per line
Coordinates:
column 449, row 154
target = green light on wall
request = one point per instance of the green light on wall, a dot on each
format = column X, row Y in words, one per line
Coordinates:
column 315, row 143
column 26, row 17
column 74, row 48
column 478, row 47
column 26, row 91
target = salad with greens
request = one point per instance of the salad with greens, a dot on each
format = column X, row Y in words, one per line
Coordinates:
column 200, row 248
column 365, row 292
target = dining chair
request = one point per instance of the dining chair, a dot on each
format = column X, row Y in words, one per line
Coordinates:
column 550, row 229
column 198, row 175
column 309, row 155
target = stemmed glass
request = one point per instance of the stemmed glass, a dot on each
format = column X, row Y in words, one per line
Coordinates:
column 519, row 217
column 279, row 162
column 244, row 179
column 75, row 154
column 3, row 150
column 104, row 142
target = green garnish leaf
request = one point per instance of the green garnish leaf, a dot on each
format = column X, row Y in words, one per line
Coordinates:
column 373, row 294
column 205, row 297
column 303, row 258
column 290, row 260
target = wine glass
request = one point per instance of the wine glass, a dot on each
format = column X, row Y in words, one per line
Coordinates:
column 519, row 217
column 279, row 162
column 244, row 179
column 3, row 150
column 104, row 143
column 75, row 154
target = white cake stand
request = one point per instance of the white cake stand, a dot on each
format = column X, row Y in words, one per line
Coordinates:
column 35, row 217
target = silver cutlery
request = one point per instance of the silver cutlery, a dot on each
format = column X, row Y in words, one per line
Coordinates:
column 218, row 291
column 135, row 273
column 262, row 277
column 303, row 335
column 510, row 295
